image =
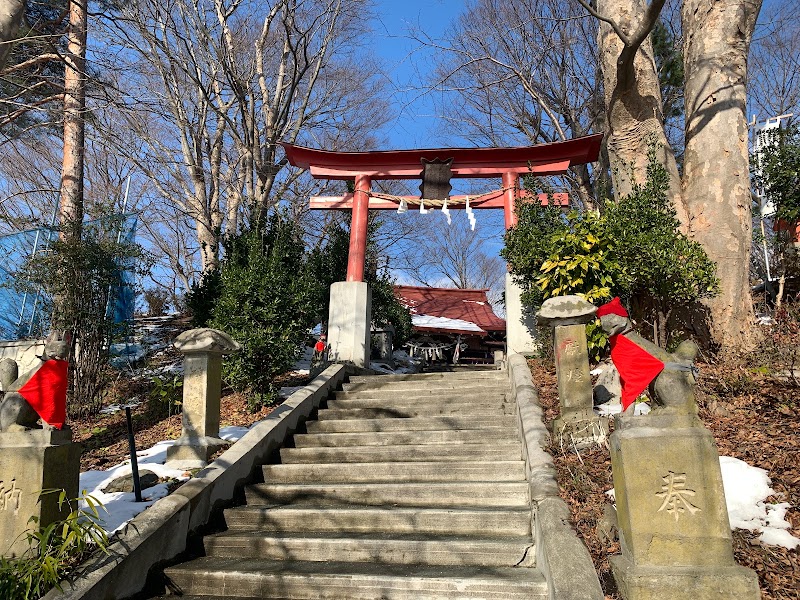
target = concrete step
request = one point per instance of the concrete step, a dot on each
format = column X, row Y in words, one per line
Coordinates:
column 402, row 438
column 388, row 393
column 419, row 410
column 505, row 423
column 490, row 494
column 423, row 385
column 389, row 519
column 512, row 470
column 252, row 578
column 432, row 377
column 424, row 453
column 373, row 548
column 430, row 402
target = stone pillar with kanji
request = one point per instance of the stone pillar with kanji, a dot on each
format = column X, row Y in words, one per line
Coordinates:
column 568, row 315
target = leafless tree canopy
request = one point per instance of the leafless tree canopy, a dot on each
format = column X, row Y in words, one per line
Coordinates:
column 523, row 72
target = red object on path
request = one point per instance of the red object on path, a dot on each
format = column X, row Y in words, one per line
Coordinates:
column 46, row 392
column 637, row 367
column 319, row 346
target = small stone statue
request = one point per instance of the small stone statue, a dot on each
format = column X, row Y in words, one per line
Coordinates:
column 16, row 413
column 642, row 364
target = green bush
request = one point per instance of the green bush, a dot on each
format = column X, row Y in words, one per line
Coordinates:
column 266, row 303
column 53, row 551
column 202, row 296
column 664, row 269
column 634, row 249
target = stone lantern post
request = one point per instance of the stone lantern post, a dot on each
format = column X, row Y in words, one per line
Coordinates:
column 202, row 389
column 568, row 315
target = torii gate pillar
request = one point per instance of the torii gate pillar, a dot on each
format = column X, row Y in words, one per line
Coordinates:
column 521, row 334
column 350, row 311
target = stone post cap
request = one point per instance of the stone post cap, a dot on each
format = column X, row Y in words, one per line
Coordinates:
column 206, row 340
column 565, row 310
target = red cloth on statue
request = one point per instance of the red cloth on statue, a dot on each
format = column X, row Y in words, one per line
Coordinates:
column 319, row 346
column 46, row 392
column 637, row 368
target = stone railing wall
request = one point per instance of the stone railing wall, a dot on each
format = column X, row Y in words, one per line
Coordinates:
column 159, row 534
column 560, row 554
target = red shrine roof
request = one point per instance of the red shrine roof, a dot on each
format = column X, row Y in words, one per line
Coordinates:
column 542, row 159
column 456, row 311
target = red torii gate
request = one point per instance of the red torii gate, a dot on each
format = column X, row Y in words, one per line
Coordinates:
column 364, row 167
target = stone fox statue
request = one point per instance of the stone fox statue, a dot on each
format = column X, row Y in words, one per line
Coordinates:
column 642, row 364
column 16, row 413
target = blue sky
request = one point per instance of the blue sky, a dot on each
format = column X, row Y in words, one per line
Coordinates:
column 416, row 124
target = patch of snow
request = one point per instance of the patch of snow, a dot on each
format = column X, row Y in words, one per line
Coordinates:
column 596, row 371
column 303, row 365
column 475, row 302
column 746, row 491
column 765, row 320
column 608, row 409
column 443, row 323
column 115, row 408
column 120, row 507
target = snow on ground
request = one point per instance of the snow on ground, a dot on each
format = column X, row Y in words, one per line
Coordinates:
column 120, row 507
column 746, row 491
column 303, row 366
column 443, row 323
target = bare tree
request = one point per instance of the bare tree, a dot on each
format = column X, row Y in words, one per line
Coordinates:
column 773, row 84
column 522, row 72
column 713, row 196
column 217, row 84
column 450, row 255
column 11, row 13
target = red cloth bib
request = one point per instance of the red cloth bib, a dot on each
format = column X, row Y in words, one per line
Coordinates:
column 637, row 367
column 46, row 392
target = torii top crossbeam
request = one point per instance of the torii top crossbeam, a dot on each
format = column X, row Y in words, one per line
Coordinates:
column 363, row 167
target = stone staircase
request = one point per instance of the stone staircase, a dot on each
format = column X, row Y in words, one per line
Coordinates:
column 406, row 486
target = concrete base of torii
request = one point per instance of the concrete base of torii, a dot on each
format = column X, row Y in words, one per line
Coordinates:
column 349, row 320
column 521, row 337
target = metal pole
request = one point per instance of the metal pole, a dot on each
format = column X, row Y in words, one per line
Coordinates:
column 137, row 487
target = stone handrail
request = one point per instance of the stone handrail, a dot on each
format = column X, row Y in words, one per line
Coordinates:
column 560, row 554
column 159, row 534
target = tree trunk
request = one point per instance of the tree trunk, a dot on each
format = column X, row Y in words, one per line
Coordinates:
column 633, row 105
column 74, row 108
column 11, row 12
column 717, row 36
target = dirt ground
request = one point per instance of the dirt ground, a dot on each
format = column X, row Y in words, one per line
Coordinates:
column 753, row 417
column 105, row 437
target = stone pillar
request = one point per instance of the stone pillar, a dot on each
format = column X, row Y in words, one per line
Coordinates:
column 673, row 522
column 349, row 322
column 568, row 316
column 202, row 388
column 521, row 335
column 383, row 342
column 31, row 462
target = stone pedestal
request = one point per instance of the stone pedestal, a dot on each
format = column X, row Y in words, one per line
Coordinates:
column 202, row 388
column 577, row 422
column 521, row 335
column 31, row 462
column 673, row 522
column 349, row 323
